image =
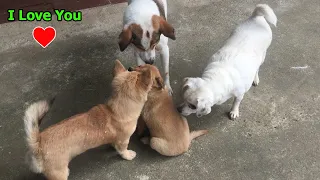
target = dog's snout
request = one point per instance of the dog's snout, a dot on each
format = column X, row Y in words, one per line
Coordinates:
column 150, row 61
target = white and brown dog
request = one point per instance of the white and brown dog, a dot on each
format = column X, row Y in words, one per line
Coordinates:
column 145, row 26
column 233, row 69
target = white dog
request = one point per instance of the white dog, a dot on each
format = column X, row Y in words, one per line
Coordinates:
column 233, row 69
column 145, row 26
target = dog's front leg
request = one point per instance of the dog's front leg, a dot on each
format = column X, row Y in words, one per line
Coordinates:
column 138, row 59
column 122, row 149
column 235, row 107
column 164, row 54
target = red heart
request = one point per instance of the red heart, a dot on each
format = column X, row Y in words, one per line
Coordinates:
column 44, row 36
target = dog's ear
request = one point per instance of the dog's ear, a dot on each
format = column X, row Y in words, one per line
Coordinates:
column 146, row 79
column 159, row 83
column 186, row 84
column 167, row 30
column 184, row 88
column 164, row 27
column 125, row 38
column 186, row 81
column 118, row 68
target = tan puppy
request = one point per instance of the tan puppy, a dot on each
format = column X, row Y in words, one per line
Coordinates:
column 111, row 123
column 169, row 131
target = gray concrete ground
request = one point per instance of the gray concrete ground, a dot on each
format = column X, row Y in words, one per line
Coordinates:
column 276, row 137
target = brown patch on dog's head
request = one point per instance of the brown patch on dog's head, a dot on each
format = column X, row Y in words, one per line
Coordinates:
column 157, row 81
column 161, row 26
column 132, row 34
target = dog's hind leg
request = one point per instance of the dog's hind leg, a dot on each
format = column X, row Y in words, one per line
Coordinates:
column 235, row 107
column 61, row 174
column 256, row 79
column 163, row 147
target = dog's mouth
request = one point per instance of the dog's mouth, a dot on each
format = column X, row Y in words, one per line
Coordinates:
column 149, row 62
column 130, row 69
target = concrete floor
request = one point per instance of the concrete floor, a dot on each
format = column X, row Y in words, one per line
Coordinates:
column 276, row 137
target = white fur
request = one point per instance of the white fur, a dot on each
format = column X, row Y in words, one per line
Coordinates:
column 234, row 68
column 140, row 12
column 31, row 119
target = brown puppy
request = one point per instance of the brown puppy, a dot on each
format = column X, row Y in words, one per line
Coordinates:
column 169, row 131
column 111, row 123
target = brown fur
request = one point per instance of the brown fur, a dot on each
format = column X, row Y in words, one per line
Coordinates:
column 169, row 131
column 132, row 34
column 110, row 123
column 161, row 25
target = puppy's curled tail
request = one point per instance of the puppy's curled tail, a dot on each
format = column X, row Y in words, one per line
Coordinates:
column 265, row 11
column 32, row 119
column 195, row 134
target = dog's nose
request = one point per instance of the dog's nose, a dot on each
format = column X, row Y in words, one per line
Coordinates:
column 150, row 61
column 179, row 109
column 130, row 69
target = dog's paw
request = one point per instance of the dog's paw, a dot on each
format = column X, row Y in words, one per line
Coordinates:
column 169, row 89
column 234, row 114
column 145, row 140
column 129, row 155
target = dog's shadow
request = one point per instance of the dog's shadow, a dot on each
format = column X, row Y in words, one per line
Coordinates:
column 105, row 156
column 79, row 77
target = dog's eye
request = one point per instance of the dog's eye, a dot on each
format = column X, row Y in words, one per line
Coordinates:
column 192, row 106
column 134, row 37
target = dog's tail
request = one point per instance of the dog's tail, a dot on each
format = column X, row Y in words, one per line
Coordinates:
column 195, row 134
column 265, row 11
column 32, row 118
